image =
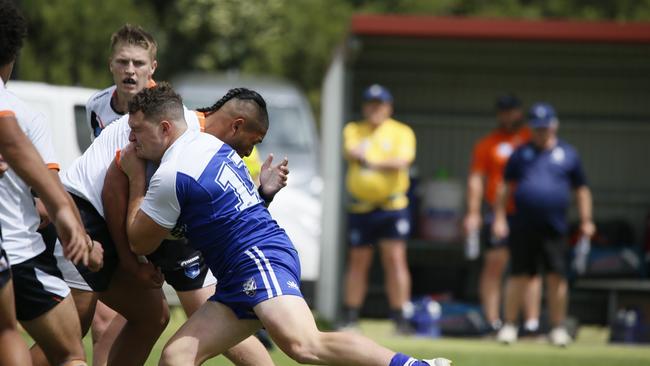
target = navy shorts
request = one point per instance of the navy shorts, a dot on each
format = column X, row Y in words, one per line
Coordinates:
column 369, row 228
column 260, row 273
column 85, row 279
column 183, row 266
column 533, row 251
column 488, row 241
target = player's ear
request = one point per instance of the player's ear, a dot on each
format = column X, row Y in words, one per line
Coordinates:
column 237, row 124
column 166, row 127
column 154, row 65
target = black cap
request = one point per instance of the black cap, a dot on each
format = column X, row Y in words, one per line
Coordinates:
column 507, row 101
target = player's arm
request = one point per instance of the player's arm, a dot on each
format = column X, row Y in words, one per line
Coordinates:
column 18, row 151
column 585, row 206
column 475, row 186
column 511, row 176
column 404, row 154
column 144, row 234
column 115, row 194
column 474, row 197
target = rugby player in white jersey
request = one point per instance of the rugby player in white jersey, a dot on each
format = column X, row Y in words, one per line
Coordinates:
column 42, row 300
column 132, row 63
column 213, row 197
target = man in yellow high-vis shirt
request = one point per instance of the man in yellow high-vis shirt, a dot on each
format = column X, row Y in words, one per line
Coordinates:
column 379, row 151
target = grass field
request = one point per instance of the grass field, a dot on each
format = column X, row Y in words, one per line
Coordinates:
column 590, row 349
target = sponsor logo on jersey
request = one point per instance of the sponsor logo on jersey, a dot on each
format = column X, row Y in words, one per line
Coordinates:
column 250, row 287
column 558, row 155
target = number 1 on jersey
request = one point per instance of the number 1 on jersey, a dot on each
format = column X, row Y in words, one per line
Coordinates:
column 228, row 178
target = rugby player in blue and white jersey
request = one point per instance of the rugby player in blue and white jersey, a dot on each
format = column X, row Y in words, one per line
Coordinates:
column 202, row 184
column 85, row 179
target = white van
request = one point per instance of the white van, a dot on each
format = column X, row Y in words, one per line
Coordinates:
column 65, row 109
column 292, row 133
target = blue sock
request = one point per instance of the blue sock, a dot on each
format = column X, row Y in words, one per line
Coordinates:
column 401, row 359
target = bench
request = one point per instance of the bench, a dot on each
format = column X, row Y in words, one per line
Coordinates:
column 614, row 287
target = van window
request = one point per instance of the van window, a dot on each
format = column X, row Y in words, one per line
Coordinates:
column 287, row 129
column 83, row 130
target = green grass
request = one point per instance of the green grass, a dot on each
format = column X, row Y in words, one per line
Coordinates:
column 591, row 348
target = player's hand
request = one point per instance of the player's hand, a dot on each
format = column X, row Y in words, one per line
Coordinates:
column 587, row 228
column 130, row 163
column 500, row 228
column 147, row 275
column 72, row 235
column 358, row 153
column 273, row 178
column 471, row 223
column 3, row 166
column 96, row 256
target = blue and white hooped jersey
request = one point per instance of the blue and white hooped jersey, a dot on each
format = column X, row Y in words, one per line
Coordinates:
column 205, row 187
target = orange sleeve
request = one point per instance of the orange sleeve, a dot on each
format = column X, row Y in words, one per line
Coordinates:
column 118, row 156
column 7, row 113
column 53, row 166
column 480, row 157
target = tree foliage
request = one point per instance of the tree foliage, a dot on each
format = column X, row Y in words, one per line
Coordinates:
column 68, row 41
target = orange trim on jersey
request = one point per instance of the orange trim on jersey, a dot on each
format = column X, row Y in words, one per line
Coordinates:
column 118, row 157
column 53, row 166
column 201, row 117
column 7, row 113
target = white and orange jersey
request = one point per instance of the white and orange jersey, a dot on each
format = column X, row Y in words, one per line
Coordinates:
column 100, row 111
column 85, row 177
column 18, row 216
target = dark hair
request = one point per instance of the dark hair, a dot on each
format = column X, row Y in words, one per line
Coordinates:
column 13, row 29
column 134, row 35
column 242, row 94
column 158, row 103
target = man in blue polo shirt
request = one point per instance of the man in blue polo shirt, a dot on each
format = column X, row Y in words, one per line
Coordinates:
column 541, row 176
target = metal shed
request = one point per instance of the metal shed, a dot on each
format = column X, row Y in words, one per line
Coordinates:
column 445, row 74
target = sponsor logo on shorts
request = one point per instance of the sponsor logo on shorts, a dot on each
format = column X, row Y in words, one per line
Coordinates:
column 293, row 285
column 190, row 261
column 192, row 271
column 403, row 226
column 250, row 287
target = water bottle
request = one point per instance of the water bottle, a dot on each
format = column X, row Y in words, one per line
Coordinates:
column 582, row 249
column 472, row 245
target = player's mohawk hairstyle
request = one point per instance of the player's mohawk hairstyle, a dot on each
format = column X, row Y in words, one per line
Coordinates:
column 13, row 29
column 236, row 93
column 242, row 94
